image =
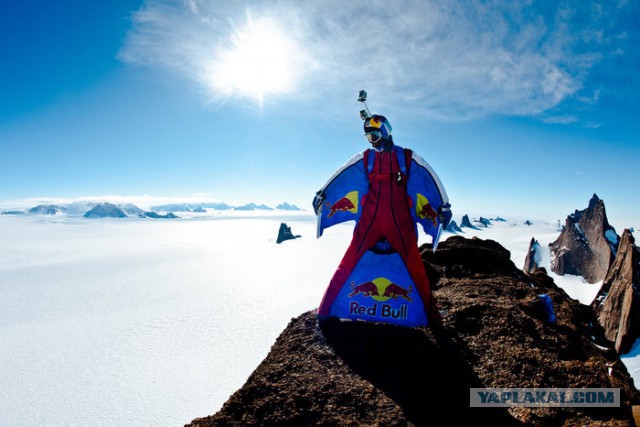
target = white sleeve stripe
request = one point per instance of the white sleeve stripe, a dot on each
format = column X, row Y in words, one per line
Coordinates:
column 423, row 163
column 355, row 159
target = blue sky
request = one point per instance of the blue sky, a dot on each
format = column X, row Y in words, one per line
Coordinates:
column 524, row 108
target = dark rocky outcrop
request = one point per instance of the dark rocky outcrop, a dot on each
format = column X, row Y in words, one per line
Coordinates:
column 285, row 233
column 484, row 221
column 587, row 244
column 466, row 222
column 617, row 304
column 494, row 334
column 453, row 227
column 156, row 215
column 534, row 257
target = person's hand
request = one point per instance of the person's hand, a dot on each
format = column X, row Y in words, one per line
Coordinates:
column 317, row 201
column 445, row 215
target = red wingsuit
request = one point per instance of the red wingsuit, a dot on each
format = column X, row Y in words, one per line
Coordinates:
column 385, row 215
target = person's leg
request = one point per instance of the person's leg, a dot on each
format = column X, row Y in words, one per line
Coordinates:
column 365, row 236
column 402, row 238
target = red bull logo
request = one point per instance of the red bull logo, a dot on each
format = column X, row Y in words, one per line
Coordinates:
column 381, row 290
column 394, row 291
column 367, row 289
column 424, row 210
column 348, row 203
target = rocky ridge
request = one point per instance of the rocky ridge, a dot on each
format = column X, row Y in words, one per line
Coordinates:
column 495, row 334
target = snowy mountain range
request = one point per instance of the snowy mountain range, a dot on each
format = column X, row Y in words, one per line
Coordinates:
column 112, row 210
column 47, row 210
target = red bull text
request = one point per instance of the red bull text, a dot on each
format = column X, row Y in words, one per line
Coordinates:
column 385, row 311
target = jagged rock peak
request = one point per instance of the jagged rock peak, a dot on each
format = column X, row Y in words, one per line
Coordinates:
column 587, row 244
column 453, row 227
column 466, row 222
column 534, row 257
column 484, row 221
column 617, row 304
column 285, row 233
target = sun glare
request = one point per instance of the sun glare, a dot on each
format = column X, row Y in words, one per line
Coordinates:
column 257, row 63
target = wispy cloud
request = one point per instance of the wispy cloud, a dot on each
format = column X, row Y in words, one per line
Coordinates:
column 448, row 59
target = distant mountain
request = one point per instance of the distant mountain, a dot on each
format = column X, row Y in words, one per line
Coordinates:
column 191, row 207
column 131, row 209
column 253, row 207
column 453, row 227
column 484, row 221
column 534, row 257
column 587, row 244
column 105, row 210
column 179, row 207
column 156, row 215
column 220, row 206
column 47, row 210
column 287, row 207
column 466, row 222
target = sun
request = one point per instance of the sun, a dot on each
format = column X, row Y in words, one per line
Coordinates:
column 257, row 62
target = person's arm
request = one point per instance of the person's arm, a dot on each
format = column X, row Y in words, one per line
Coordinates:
column 320, row 194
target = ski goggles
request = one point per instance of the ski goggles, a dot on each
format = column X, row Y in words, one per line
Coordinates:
column 373, row 136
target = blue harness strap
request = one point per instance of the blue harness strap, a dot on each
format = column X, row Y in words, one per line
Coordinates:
column 401, row 159
column 369, row 157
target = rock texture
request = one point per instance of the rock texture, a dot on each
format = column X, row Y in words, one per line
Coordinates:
column 534, row 257
column 587, row 244
column 617, row 304
column 494, row 334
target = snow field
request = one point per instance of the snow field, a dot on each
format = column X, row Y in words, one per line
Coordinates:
column 156, row 322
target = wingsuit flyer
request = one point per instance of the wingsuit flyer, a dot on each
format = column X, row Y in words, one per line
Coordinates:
column 388, row 191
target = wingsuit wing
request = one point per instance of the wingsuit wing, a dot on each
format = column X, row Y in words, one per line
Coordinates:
column 340, row 198
column 431, row 207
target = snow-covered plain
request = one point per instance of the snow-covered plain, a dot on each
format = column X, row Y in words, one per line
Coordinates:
column 156, row 322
